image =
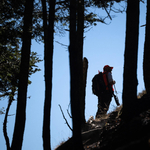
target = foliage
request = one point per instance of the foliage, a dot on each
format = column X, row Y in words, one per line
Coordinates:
column 102, row 3
column 9, row 70
column 11, row 29
column 62, row 16
column 11, row 21
column 2, row 111
column 11, row 14
column 90, row 18
column 19, row 127
column 10, row 67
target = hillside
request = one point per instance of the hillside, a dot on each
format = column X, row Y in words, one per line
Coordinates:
column 111, row 132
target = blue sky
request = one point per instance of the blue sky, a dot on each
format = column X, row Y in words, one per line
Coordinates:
column 103, row 45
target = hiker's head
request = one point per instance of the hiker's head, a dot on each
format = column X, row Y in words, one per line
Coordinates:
column 107, row 68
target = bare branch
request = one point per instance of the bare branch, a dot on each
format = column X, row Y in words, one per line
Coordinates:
column 68, row 111
column 143, row 25
column 108, row 13
column 65, row 119
column 142, row 1
column 65, row 46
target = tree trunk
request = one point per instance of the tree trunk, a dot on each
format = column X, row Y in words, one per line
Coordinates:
column 80, row 31
column 146, row 63
column 23, row 79
column 76, row 75
column 48, row 56
column 85, row 67
column 5, row 122
column 130, row 58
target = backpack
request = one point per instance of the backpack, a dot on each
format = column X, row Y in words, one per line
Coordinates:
column 98, row 85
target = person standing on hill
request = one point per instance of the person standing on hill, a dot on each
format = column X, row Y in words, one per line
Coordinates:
column 105, row 97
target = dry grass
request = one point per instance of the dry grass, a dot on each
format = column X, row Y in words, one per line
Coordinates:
column 61, row 143
column 118, row 108
column 141, row 94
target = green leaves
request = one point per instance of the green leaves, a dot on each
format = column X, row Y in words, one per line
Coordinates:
column 10, row 60
column 33, row 60
column 11, row 29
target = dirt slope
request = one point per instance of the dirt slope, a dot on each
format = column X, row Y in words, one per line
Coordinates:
column 111, row 132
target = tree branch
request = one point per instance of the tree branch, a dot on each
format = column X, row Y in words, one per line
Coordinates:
column 65, row 46
column 65, row 119
column 68, row 111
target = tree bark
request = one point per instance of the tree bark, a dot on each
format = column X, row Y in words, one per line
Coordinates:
column 130, row 58
column 76, row 77
column 23, row 79
column 5, row 123
column 80, row 32
column 48, row 57
column 146, row 62
column 85, row 68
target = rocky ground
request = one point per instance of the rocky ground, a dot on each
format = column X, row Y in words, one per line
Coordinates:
column 111, row 132
column 120, row 135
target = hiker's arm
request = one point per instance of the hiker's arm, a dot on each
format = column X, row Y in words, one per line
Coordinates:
column 110, row 79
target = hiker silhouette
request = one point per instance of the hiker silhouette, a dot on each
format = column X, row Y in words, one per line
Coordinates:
column 102, row 87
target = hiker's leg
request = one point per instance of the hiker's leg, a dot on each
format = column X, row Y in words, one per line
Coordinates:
column 100, row 110
column 101, row 106
column 108, row 98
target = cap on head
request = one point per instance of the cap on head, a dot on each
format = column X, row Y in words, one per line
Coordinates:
column 107, row 68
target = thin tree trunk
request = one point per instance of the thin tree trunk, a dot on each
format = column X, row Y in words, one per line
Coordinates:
column 23, row 79
column 76, row 75
column 5, row 123
column 130, row 58
column 46, row 136
column 80, row 31
column 146, row 63
column 48, row 56
column 85, row 68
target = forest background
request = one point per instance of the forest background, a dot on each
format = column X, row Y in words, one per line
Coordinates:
column 103, row 44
